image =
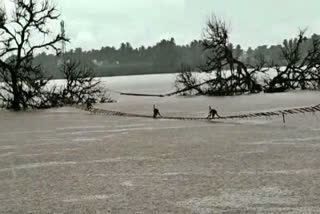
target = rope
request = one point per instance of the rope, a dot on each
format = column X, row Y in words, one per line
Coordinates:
column 301, row 110
column 163, row 95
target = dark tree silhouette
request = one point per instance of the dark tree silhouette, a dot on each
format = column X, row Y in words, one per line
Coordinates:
column 25, row 81
column 301, row 68
column 222, row 58
column 230, row 75
column 188, row 80
column 164, row 57
column 81, row 86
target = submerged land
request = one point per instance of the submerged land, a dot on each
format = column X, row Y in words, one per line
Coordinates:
column 66, row 160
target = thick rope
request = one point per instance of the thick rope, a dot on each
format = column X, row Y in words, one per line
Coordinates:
column 300, row 110
column 163, row 95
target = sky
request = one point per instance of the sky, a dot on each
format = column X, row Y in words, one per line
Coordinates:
column 96, row 23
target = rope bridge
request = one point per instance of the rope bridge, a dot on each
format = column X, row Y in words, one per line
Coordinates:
column 283, row 113
column 166, row 94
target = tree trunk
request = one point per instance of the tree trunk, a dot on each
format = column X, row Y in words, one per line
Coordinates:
column 16, row 94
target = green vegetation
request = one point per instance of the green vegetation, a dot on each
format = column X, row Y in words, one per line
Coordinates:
column 164, row 57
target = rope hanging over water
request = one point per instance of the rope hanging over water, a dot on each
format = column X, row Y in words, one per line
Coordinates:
column 163, row 95
column 283, row 113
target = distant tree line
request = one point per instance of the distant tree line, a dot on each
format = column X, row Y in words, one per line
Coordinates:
column 25, row 76
column 164, row 57
column 293, row 65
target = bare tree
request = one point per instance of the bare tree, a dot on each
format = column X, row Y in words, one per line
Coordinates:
column 81, row 86
column 301, row 70
column 187, row 80
column 230, row 75
column 24, row 81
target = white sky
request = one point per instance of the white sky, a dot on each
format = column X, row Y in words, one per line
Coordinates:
column 97, row 23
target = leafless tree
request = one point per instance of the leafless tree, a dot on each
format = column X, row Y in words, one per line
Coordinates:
column 221, row 60
column 24, row 81
column 187, row 80
column 230, row 75
column 81, row 86
column 301, row 70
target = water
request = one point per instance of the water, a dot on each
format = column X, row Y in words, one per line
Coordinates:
column 164, row 83
column 67, row 161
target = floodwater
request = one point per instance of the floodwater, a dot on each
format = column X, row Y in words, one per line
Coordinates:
column 69, row 161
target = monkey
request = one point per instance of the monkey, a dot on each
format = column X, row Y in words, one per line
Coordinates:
column 89, row 104
column 212, row 113
column 156, row 112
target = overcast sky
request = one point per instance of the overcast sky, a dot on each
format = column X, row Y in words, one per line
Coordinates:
column 96, row 23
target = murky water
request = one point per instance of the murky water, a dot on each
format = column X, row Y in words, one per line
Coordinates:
column 68, row 161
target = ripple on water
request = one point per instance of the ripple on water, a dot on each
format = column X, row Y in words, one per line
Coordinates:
column 86, row 198
column 241, row 199
column 285, row 141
